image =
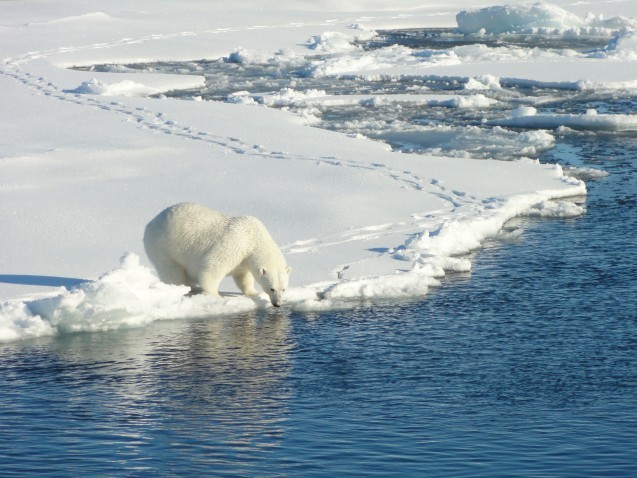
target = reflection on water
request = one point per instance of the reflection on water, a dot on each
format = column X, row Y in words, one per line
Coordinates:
column 201, row 392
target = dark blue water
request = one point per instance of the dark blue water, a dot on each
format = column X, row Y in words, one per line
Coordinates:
column 527, row 368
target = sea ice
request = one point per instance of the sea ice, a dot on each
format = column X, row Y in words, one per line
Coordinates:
column 122, row 88
column 84, row 167
column 584, row 174
column 558, row 209
column 528, row 117
column 517, row 18
column 536, row 17
column 622, row 47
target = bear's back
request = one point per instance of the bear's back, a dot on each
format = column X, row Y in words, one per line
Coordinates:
column 193, row 216
column 185, row 228
column 194, row 228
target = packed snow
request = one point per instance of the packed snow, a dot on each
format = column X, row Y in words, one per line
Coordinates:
column 88, row 157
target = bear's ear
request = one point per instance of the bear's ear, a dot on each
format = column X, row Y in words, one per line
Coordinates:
column 264, row 271
column 289, row 269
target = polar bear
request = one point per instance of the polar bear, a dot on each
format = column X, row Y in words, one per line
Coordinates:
column 193, row 245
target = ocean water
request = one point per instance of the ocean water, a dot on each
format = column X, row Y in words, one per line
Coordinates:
column 525, row 367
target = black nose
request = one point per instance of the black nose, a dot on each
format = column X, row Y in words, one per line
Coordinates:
column 276, row 305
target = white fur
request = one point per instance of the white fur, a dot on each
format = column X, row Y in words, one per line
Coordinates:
column 193, row 245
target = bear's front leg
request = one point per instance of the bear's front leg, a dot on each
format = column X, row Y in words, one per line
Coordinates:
column 245, row 282
column 209, row 283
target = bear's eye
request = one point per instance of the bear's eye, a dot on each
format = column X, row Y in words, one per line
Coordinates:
column 272, row 290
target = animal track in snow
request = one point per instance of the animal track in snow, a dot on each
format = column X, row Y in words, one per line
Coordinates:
column 157, row 121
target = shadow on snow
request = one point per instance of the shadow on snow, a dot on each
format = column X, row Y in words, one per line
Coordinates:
column 48, row 281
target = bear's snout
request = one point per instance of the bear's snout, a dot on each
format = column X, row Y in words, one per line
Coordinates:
column 276, row 298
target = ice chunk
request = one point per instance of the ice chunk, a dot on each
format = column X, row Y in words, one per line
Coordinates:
column 537, row 17
column 584, row 173
column 333, row 42
column 561, row 209
column 483, row 82
column 289, row 96
column 121, row 88
column 527, row 117
column 623, row 47
column 18, row 322
column 242, row 98
column 517, row 18
column 523, row 111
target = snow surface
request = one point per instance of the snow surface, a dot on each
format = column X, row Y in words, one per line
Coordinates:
column 86, row 158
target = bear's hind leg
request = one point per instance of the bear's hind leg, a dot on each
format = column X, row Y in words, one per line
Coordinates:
column 171, row 273
column 245, row 282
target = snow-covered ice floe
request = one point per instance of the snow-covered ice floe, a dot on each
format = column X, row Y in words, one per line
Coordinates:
column 290, row 97
column 88, row 158
column 537, row 17
column 528, row 117
column 132, row 296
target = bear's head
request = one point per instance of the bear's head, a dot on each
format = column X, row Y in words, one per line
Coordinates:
column 274, row 282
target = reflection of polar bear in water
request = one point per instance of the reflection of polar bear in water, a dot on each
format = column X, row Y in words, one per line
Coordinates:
column 192, row 245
